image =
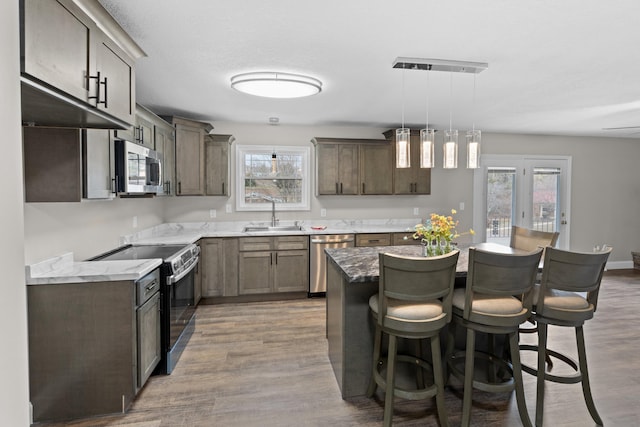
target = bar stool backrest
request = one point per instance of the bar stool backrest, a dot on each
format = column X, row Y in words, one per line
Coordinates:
column 417, row 279
column 530, row 240
column 572, row 272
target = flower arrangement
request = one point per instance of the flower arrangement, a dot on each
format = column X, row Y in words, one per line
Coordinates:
column 437, row 233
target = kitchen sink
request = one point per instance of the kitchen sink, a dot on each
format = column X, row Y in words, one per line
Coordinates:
column 271, row 228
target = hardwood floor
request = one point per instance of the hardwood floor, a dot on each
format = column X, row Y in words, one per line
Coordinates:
column 266, row 364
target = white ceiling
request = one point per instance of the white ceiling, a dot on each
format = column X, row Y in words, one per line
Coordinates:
column 555, row 67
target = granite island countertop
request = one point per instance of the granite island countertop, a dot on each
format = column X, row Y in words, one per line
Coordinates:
column 360, row 264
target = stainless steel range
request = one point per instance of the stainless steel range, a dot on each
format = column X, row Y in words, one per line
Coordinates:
column 177, row 293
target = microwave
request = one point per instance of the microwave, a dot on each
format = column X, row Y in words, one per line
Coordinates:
column 138, row 169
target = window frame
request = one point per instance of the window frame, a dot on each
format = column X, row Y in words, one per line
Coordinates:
column 243, row 150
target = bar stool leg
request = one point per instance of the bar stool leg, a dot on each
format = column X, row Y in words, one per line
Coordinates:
column 468, row 377
column 376, row 358
column 388, row 393
column 517, row 377
column 584, row 372
column 439, row 380
column 542, row 350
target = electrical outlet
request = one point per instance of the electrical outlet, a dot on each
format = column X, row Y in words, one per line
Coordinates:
column 323, row 212
column 212, row 213
column 461, row 206
column 416, row 211
column 227, row 208
column 135, row 222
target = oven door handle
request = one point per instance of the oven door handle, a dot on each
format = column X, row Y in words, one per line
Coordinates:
column 173, row 279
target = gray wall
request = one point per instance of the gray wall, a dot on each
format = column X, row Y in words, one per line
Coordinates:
column 605, row 198
column 14, row 393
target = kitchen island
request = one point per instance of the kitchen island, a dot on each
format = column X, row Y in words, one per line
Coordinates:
column 352, row 277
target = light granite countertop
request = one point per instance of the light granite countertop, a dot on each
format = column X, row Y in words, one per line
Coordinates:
column 64, row 269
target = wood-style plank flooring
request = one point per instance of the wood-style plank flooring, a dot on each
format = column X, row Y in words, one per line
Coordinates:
column 266, row 364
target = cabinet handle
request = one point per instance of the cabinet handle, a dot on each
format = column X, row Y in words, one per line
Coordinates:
column 363, row 192
column 340, row 188
column 337, row 192
column 141, row 135
column 223, row 188
column 151, row 286
column 179, row 187
column 97, row 78
column 276, row 258
column 105, row 93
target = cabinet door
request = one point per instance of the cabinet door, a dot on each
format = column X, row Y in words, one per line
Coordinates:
column 114, row 89
column 413, row 180
column 212, row 267
column 327, row 169
column 376, row 174
column 56, row 45
column 254, row 272
column 189, row 160
column 148, row 319
column 97, row 160
column 291, row 272
column 52, row 164
column 145, row 133
column 348, row 169
column 217, row 167
column 165, row 144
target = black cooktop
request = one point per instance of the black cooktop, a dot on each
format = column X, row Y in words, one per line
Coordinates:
column 141, row 252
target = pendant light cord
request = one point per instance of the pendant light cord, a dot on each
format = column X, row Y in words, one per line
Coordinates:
column 403, row 71
column 450, row 100
column 473, row 107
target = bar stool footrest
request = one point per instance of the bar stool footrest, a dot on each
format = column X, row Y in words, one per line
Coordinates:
column 563, row 379
column 409, row 394
column 508, row 383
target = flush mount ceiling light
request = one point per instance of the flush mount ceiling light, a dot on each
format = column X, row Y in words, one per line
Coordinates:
column 276, row 85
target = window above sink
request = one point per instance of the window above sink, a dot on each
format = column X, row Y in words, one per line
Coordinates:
column 267, row 174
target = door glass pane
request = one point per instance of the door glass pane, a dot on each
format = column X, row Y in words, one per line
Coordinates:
column 500, row 203
column 546, row 182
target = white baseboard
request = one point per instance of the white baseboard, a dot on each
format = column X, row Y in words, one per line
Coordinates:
column 619, row 265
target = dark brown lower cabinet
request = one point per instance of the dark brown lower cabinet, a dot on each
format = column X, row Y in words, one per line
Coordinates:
column 91, row 347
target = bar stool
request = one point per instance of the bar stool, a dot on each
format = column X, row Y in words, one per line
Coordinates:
column 559, row 300
column 496, row 300
column 414, row 302
column 530, row 240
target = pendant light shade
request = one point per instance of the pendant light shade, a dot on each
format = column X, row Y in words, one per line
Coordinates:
column 274, row 163
column 403, row 148
column 450, row 160
column 473, row 149
column 427, row 148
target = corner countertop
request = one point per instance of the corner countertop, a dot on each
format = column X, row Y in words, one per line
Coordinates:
column 64, row 269
column 185, row 233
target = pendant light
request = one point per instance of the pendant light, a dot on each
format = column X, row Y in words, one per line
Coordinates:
column 403, row 139
column 427, row 140
column 274, row 163
column 473, row 137
column 450, row 148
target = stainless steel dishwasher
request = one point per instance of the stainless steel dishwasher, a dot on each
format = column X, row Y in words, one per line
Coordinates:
column 318, row 268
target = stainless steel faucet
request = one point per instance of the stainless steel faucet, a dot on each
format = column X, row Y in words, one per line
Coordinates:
column 274, row 220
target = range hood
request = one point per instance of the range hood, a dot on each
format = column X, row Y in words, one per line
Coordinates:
column 43, row 105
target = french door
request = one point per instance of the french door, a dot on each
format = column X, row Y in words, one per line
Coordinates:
column 527, row 191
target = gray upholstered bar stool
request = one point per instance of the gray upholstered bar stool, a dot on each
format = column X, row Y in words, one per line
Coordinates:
column 560, row 300
column 414, row 302
column 495, row 301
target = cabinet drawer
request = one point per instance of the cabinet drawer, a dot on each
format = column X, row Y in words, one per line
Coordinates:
column 404, row 239
column 376, row 239
column 288, row 243
column 255, row 244
column 147, row 286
